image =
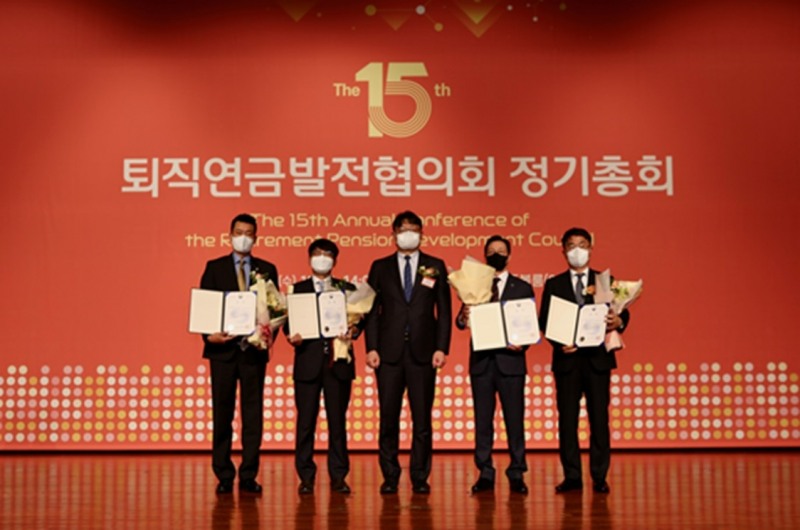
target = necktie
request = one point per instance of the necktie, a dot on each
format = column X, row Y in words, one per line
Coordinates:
column 320, row 286
column 240, row 276
column 407, row 285
column 495, row 289
column 579, row 289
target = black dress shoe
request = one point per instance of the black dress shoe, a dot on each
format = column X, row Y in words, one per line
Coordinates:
column 421, row 487
column 569, row 485
column 517, row 485
column 483, row 484
column 340, row 486
column 601, row 487
column 224, row 486
column 305, row 488
column 388, row 488
column 249, row 485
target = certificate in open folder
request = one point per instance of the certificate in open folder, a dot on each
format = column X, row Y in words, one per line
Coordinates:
column 568, row 323
column 315, row 315
column 498, row 324
column 233, row 312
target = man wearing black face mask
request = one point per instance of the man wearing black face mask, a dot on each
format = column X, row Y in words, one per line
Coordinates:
column 499, row 372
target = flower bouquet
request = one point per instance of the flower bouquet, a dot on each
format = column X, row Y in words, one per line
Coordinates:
column 619, row 295
column 271, row 311
column 359, row 302
column 473, row 281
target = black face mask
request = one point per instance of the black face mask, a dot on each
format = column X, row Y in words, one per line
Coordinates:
column 498, row 261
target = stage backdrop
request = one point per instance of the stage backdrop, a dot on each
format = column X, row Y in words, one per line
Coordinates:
column 132, row 132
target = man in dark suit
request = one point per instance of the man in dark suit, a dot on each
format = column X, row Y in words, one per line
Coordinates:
column 499, row 372
column 234, row 361
column 317, row 371
column 581, row 371
column 408, row 338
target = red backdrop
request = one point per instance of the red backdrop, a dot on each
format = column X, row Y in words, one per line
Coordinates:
column 133, row 133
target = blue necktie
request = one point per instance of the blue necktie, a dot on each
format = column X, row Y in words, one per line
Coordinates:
column 407, row 285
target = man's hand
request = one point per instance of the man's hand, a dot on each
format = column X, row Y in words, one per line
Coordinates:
column 513, row 347
column 463, row 315
column 373, row 359
column 220, row 338
column 439, row 359
column 613, row 320
column 571, row 348
column 295, row 340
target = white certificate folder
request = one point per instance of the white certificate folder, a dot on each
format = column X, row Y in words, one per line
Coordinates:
column 315, row 315
column 497, row 324
column 233, row 312
column 568, row 323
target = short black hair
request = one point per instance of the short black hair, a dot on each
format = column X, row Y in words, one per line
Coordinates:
column 497, row 238
column 575, row 231
column 245, row 218
column 326, row 245
column 409, row 216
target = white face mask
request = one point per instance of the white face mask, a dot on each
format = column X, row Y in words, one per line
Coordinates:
column 321, row 264
column 242, row 244
column 578, row 257
column 408, row 240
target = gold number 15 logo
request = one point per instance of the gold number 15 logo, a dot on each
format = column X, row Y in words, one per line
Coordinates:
column 396, row 85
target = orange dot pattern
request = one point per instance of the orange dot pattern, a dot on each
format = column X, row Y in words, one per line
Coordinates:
column 123, row 407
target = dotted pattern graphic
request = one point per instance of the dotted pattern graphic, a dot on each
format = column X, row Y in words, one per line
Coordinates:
column 122, row 407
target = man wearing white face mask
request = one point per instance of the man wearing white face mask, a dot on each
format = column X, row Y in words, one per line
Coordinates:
column 581, row 371
column 317, row 372
column 234, row 363
column 408, row 338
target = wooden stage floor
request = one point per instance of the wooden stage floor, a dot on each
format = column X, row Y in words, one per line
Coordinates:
column 652, row 490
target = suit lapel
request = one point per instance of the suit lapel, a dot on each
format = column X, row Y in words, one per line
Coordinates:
column 589, row 299
column 566, row 288
column 230, row 274
column 305, row 286
column 396, row 275
column 422, row 263
column 508, row 289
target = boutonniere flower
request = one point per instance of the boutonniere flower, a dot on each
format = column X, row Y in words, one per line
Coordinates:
column 256, row 275
column 427, row 272
column 589, row 290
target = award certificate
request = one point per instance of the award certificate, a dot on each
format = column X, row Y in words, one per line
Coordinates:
column 303, row 316
column 332, row 313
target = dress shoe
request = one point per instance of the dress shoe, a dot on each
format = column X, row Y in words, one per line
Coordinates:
column 569, row 485
column 601, row 487
column 517, row 485
column 388, row 488
column 305, row 488
column 340, row 486
column 249, row 485
column 224, row 486
column 421, row 487
column 483, row 484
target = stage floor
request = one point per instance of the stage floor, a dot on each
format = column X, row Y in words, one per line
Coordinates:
column 721, row 490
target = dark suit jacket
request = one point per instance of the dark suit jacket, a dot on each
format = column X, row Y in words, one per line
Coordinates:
column 220, row 275
column 509, row 362
column 561, row 286
column 427, row 316
column 309, row 356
